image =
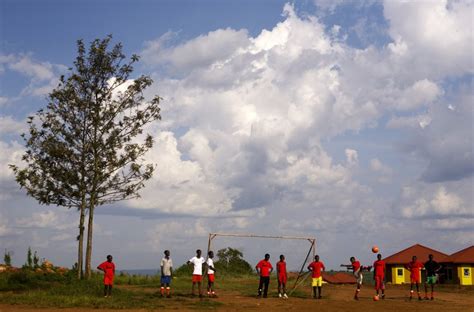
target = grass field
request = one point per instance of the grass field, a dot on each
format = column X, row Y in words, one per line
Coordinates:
column 235, row 294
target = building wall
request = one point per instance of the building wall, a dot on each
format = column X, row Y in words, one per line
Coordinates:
column 465, row 274
column 398, row 274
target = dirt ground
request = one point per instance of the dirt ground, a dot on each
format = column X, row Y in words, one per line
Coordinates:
column 335, row 298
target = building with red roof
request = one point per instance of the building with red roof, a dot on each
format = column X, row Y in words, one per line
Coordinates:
column 396, row 272
column 461, row 266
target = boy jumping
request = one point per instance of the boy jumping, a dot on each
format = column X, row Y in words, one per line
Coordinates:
column 108, row 267
column 197, row 262
column 379, row 276
column 414, row 267
column 210, row 274
column 282, row 276
column 166, row 266
column 357, row 270
column 264, row 268
column 316, row 267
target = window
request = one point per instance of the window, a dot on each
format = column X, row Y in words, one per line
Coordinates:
column 466, row 272
column 399, row 272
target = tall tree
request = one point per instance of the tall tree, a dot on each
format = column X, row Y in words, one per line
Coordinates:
column 86, row 148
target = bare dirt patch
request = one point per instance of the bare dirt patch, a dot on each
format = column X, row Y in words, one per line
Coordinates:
column 335, row 298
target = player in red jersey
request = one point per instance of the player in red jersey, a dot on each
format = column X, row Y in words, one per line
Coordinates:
column 357, row 268
column 316, row 267
column 282, row 277
column 264, row 268
column 415, row 275
column 379, row 276
column 108, row 267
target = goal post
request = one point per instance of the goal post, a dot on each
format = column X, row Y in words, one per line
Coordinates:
column 311, row 240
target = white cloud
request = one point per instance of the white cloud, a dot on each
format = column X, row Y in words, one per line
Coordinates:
column 10, row 153
column 352, row 157
column 432, row 201
column 421, row 121
column 10, row 125
column 202, row 51
column 436, row 35
column 3, row 100
column 5, row 228
column 44, row 219
column 378, row 166
column 43, row 75
column 38, row 71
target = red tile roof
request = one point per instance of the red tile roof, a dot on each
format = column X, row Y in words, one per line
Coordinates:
column 420, row 251
column 463, row 256
column 339, row 278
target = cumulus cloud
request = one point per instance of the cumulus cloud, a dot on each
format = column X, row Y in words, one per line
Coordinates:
column 352, row 156
column 434, row 38
column 436, row 201
column 43, row 75
column 9, row 125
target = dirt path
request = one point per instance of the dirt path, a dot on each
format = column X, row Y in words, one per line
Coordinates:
column 336, row 298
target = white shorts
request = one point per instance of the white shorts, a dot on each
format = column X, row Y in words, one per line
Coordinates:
column 359, row 277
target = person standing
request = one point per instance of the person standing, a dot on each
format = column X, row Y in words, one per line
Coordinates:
column 379, row 276
column 432, row 267
column 264, row 269
column 197, row 263
column 166, row 266
column 210, row 274
column 282, row 277
column 108, row 267
column 415, row 277
column 316, row 267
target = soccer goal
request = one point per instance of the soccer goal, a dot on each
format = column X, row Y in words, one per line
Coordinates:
column 311, row 250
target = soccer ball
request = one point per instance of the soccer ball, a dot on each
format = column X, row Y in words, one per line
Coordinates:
column 375, row 249
column 376, row 298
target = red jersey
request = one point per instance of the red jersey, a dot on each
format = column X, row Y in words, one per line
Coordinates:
column 316, row 268
column 109, row 269
column 264, row 267
column 281, row 267
column 414, row 267
column 379, row 268
column 356, row 266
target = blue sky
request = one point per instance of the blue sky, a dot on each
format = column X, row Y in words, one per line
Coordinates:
column 349, row 121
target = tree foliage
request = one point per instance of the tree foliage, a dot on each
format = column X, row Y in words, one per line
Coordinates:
column 7, row 258
column 86, row 148
column 231, row 261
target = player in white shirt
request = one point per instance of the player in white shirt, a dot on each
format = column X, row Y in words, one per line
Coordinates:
column 210, row 275
column 166, row 266
column 197, row 262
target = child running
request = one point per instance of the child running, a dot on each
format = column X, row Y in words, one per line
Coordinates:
column 379, row 276
column 432, row 267
column 197, row 262
column 166, row 266
column 414, row 267
column 108, row 267
column 316, row 267
column 210, row 274
column 357, row 270
column 264, row 269
column 282, row 276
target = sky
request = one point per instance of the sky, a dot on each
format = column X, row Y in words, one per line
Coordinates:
column 347, row 121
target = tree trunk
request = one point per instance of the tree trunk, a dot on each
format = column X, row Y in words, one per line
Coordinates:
column 90, row 226
column 80, row 250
